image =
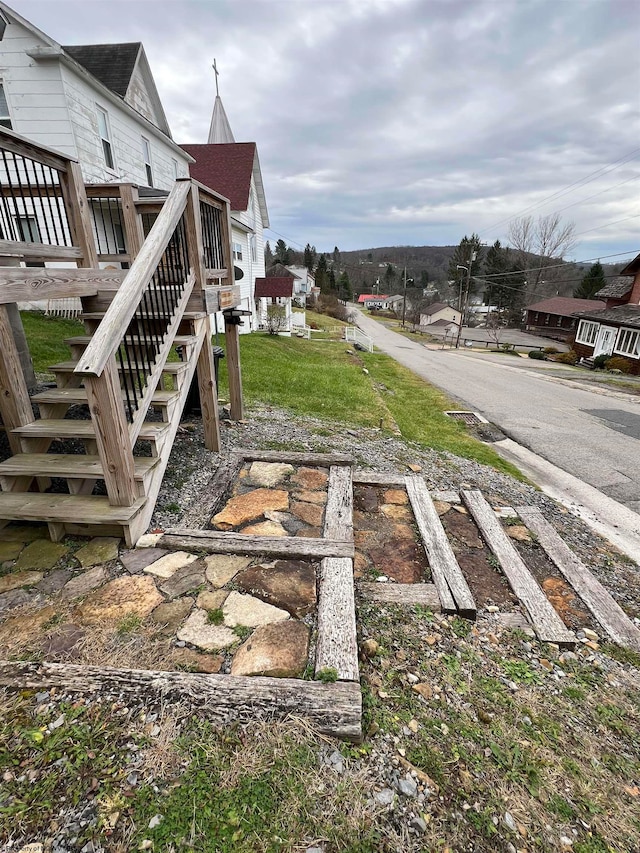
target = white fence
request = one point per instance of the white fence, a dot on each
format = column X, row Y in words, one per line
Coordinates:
column 353, row 334
column 71, row 307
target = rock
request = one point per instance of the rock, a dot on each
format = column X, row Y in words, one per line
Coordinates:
column 184, row 580
column 309, row 532
column 402, row 531
column 149, row 540
column 589, row 634
column 466, row 780
column 99, row 550
column 546, row 664
column 85, row 582
column 413, row 726
column 369, row 648
column 442, row 507
column 198, row 631
column 10, row 550
column 395, row 496
column 360, row 565
column 418, row 824
column 509, row 822
column 250, row 506
column 311, row 497
column 24, row 532
column 220, row 568
column 265, row 528
column 366, row 499
column 15, row 580
column 269, row 473
column 22, row 629
column 136, row 559
column 407, row 786
column 415, row 468
column 280, row 650
column 156, row 820
column 196, row 661
column 423, row 689
column 41, row 554
column 463, row 529
column 212, row 600
column 133, row 595
column 64, row 641
column 54, row 581
column 310, row 478
column 170, row 615
column 309, row 513
column 167, row 566
column 397, row 513
column 385, row 797
column 289, row 584
column 15, row 598
column 246, row 610
column 519, row 532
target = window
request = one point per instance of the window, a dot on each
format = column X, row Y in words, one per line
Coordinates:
column 628, row 342
column 4, row 23
column 28, row 230
column 176, row 173
column 105, row 136
column 252, row 246
column 146, row 156
column 5, row 118
column 237, row 251
column 587, row 332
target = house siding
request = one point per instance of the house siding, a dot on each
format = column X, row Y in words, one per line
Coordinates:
column 251, row 269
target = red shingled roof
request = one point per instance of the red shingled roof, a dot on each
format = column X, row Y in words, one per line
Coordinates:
column 274, row 286
column 225, row 168
column 365, row 296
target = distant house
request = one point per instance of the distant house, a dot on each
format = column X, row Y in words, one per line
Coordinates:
column 303, row 282
column 274, row 290
column 556, row 317
column 615, row 329
column 439, row 311
column 374, row 301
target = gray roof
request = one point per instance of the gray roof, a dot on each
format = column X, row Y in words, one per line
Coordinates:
column 616, row 288
column 622, row 315
column 111, row 64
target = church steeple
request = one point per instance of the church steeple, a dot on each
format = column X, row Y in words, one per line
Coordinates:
column 220, row 129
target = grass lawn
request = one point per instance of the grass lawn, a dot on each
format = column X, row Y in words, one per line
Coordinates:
column 45, row 336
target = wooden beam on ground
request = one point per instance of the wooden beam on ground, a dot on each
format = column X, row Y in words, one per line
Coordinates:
column 215, row 494
column 338, row 515
column 336, row 643
column 219, row 542
column 405, row 594
column 599, row 601
column 24, row 285
column 452, row 587
column 232, row 341
column 324, row 460
column 377, row 478
column 335, row 709
column 544, row 619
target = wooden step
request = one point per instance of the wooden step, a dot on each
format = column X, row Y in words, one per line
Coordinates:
column 172, row 367
column 78, row 397
column 85, row 340
column 31, row 506
column 69, row 465
column 57, row 428
column 188, row 315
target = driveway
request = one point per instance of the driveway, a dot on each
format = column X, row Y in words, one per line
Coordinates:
column 589, row 434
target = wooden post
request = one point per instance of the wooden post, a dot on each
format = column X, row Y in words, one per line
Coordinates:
column 19, row 337
column 206, row 366
column 104, row 398
column 15, row 405
column 232, row 340
column 133, row 234
column 78, row 213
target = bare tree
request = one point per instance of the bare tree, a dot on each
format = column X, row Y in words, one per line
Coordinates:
column 276, row 319
column 539, row 244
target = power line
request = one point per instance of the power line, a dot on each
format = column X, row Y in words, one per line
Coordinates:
column 607, row 224
column 557, row 266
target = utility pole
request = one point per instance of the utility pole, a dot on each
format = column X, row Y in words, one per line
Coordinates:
column 463, row 303
column 404, row 301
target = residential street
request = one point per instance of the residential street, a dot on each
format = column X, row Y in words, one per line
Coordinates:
column 590, row 434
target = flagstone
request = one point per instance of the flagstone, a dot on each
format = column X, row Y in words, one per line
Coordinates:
column 280, row 651
column 250, row 506
column 24, row 533
column 16, row 598
column 208, row 600
column 309, row 513
column 265, row 528
column 246, row 610
column 65, row 640
column 221, row 568
column 21, row 629
column 184, row 580
column 98, row 550
column 54, row 581
column 167, row 566
column 41, row 554
column 10, row 550
column 171, row 614
column 85, row 583
column 310, row 497
column 288, row 584
column 198, row 631
column 133, row 595
column 397, row 513
column 395, row 496
column 136, row 560
column 196, row 661
column 311, row 478
column 15, row 580
column 149, row 540
column 269, row 473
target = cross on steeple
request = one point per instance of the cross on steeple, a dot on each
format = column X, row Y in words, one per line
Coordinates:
column 217, row 73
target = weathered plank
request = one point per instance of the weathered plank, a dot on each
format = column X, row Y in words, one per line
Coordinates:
column 338, row 516
column 214, row 495
column 600, row 602
column 407, row 594
column 23, row 285
column 453, row 589
column 40, row 251
column 336, row 644
column 377, row 478
column 295, row 458
column 234, row 369
column 218, row 542
column 335, row 709
column 544, row 619
column 15, row 406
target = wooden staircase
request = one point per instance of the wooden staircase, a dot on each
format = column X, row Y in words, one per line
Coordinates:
column 106, row 429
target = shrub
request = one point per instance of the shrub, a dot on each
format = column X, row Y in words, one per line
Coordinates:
column 617, row 362
column 550, row 350
column 567, row 357
column 332, row 307
column 599, row 362
column 535, row 353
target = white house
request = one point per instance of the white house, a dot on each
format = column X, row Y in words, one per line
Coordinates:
column 233, row 169
column 275, row 291
column 303, row 282
column 439, row 311
column 96, row 103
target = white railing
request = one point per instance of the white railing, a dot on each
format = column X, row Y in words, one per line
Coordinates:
column 353, row 334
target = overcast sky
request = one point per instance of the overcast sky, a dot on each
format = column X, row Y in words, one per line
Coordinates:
column 402, row 122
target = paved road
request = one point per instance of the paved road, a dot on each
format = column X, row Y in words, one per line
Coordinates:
column 591, row 435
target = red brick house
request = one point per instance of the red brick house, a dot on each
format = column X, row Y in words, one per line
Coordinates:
column 615, row 330
column 555, row 317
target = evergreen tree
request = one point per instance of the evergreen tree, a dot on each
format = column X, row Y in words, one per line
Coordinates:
column 424, row 279
column 322, row 277
column 282, row 252
column 309, row 260
column 332, row 280
column 389, row 277
column 268, row 256
column 344, row 287
column 593, row 281
column 336, row 259
column 462, row 257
